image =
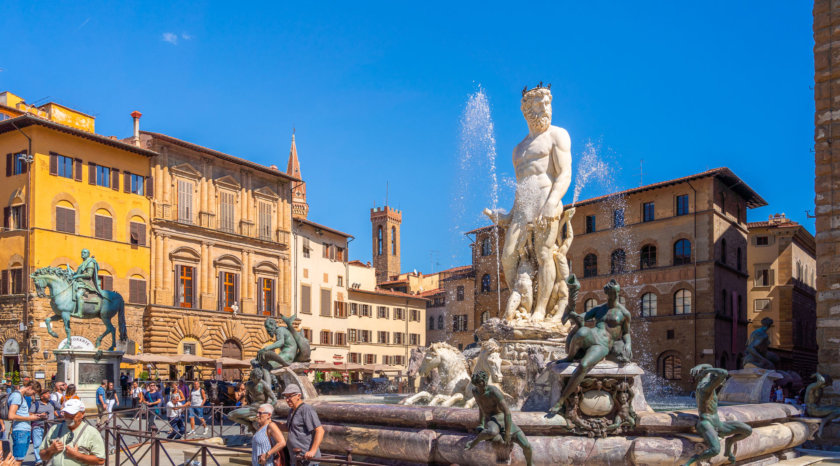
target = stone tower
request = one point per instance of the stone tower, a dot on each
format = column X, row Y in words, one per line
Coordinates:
column 300, row 209
column 386, row 242
column 827, row 186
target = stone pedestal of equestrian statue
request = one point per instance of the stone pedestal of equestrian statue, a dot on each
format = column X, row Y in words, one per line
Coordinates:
column 84, row 366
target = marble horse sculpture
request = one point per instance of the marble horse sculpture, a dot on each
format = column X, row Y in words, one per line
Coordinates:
column 454, row 377
column 60, row 283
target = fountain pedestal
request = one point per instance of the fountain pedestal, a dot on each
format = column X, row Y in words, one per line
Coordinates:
column 524, row 348
column 86, row 368
column 751, row 385
column 295, row 374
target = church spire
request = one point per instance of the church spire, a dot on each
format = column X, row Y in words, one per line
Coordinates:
column 300, row 209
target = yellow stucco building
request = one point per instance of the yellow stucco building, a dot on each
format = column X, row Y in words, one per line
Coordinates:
column 77, row 190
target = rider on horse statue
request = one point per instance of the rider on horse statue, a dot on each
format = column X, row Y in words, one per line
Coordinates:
column 85, row 279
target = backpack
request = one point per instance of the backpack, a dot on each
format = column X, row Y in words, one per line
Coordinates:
column 4, row 406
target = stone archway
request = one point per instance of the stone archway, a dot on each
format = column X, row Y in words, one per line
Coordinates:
column 231, row 349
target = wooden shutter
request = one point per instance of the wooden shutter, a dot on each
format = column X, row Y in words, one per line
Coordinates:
column 193, row 288
column 6, row 216
column 9, row 161
column 23, row 219
column 305, row 299
column 150, row 186
column 108, row 224
column 260, row 292
column 115, row 179
column 178, row 273
column 221, row 291
column 53, row 164
column 91, row 173
column 236, row 290
column 126, row 182
column 77, row 166
column 138, row 233
column 4, row 282
column 25, row 166
column 107, row 282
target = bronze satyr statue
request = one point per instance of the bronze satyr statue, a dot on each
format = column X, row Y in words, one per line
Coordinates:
column 608, row 338
column 813, row 408
column 709, row 424
column 495, row 423
column 758, row 348
column 258, row 390
column 292, row 345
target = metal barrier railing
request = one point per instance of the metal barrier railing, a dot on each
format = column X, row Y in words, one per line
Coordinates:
column 134, row 435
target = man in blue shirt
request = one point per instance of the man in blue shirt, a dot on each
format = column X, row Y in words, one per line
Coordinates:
column 101, row 404
column 22, row 420
column 154, row 400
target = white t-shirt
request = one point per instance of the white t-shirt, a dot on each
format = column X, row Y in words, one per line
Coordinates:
column 56, row 398
column 173, row 410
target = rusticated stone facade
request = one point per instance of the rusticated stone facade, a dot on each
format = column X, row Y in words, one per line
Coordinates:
column 827, row 185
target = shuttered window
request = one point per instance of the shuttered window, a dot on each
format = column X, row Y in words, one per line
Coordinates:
column 227, row 203
column 326, row 303
column 137, row 291
column 265, row 221
column 4, row 282
column 65, row 220
column 103, row 227
column 185, row 293
column 185, row 206
column 137, row 234
column 106, row 282
column 228, row 291
column 305, row 299
column 115, row 179
column 265, row 304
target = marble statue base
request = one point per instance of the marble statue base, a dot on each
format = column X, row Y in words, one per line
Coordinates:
column 560, row 372
column 294, row 374
column 86, row 369
column 752, row 385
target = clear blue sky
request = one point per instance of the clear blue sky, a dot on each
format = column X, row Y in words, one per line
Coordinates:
column 376, row 92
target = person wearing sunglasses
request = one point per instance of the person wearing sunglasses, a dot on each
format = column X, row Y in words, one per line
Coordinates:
column 73, row 442
column 305, row 429
column 267, row 441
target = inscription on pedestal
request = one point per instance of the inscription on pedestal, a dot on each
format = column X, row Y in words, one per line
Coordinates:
column 92, row 374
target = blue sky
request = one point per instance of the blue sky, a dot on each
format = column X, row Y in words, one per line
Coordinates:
column 376, row 91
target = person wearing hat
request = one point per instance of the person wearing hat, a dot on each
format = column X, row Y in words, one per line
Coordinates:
column 305, row 429
column 73, row 442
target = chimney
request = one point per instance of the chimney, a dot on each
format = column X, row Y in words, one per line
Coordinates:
column 136, row 115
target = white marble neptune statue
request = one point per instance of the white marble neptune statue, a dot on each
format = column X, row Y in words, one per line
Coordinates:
column 533, row 258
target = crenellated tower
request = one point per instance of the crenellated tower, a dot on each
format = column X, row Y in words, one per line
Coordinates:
column 386, row 242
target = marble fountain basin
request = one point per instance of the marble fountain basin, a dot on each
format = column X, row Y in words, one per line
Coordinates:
column 437, row 435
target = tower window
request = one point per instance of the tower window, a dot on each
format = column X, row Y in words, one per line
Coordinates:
column 394, row 241
column 379, row 241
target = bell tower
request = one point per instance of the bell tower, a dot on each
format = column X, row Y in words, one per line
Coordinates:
column 386, row 242
column 300, row 208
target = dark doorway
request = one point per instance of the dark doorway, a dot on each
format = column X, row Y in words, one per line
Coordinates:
column 231, row 349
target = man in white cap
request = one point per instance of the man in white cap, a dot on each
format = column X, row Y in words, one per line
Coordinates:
column 305, row 429
column 73, row 442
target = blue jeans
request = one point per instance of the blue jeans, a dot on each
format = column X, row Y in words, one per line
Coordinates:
column 37, row 438
column 178, row 428
column 20, row 443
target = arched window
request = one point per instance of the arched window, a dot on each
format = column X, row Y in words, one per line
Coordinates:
column 379, row 241
column 485, row 282
column 738, row 258
column 394, row 241
column 65, row 218
column 589, row 304
column 648, row 257
column 723, row 251
column 590, row 266
column 682, row 252
column 648, row 304
column 682, row 302
column 671, row 367
column 440, row 322
column 431, row 323
column 617, row 261
column 486, row 247
column 484, row 317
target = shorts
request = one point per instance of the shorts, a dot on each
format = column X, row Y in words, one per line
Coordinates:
column 196, row 413
column 20, row 443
